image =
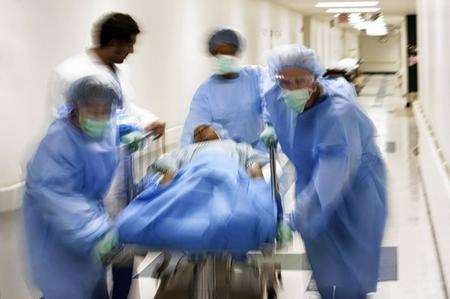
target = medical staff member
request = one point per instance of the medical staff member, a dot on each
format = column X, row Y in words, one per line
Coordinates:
column 340, row 206
column 67, row 229
column 114, row 38
column 231, row 98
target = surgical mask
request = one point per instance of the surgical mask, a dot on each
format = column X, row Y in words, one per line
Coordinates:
column 94, row 128
column 297, row 99
column 227, row 64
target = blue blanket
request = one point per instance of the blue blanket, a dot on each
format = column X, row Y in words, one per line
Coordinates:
column 211, row 206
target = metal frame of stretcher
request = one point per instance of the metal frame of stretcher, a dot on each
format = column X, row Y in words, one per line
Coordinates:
column 208, row 265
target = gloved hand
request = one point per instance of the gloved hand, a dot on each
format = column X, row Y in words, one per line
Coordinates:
column 107, row 247
column 156, row 127
column 125, row 129
column 268, row 136
column 132, row 139
column 284, row 235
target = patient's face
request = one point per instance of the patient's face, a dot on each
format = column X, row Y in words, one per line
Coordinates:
column 204, row 133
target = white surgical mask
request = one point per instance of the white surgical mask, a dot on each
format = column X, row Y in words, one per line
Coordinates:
column 227, row 64
column 297, row 99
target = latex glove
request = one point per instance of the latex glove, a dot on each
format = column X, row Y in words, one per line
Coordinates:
column 268, row 136
column 288, row 219
column 132, row 139
column 284, row 235
column 125, row 129
column 156, row 127
column 107, row 247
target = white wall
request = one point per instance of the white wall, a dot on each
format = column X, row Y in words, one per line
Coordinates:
column 351, row 43
column 326, row 41
column 330, row 43
column 380, row 55
column 169, row 63
column 434, row 67
column 432, row 112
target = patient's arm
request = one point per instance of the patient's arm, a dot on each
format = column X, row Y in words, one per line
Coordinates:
column 248, row 155
column 167, row 178
column 254, row 171
column 166, row 166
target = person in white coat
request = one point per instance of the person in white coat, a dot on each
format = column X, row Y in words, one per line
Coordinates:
column 114, row 37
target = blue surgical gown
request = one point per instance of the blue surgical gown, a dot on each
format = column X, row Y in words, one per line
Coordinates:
column 340, row 207
column 63, row 212
column 234, row 106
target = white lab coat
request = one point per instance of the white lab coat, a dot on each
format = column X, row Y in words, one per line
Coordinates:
column 88, row 64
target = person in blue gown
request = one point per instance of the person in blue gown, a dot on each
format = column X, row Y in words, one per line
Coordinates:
column 231, row 98
column 340, row 209
column 68, row 232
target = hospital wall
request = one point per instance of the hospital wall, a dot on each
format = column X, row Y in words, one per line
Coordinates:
column 381, row 54
column 170, row 59
column 431, row 112
column 330, row 43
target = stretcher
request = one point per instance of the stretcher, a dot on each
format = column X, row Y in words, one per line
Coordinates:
column 203, row 275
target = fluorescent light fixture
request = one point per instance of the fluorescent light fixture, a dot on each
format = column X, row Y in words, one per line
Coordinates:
column 347, row 4
column 377, row 27
column 376, row 31
column 352, row 9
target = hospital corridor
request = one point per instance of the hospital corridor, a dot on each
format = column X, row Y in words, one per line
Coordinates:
column 233, row 149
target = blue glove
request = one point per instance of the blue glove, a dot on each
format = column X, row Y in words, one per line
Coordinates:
column 268, row 136
column 125, row 129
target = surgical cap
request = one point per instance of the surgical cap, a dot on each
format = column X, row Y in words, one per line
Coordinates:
column 294, row 56
column 91, row 88
column 225, row 36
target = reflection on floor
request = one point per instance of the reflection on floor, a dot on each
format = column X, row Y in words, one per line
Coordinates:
column 408, row 230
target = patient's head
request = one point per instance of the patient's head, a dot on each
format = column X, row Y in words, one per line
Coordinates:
column 205, row 133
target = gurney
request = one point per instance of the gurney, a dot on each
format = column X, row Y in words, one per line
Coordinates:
column 203, row 272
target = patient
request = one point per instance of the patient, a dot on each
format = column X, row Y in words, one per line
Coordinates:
column 208, row 140
column 205, row 197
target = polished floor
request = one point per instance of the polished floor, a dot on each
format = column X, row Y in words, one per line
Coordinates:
column 410, row 267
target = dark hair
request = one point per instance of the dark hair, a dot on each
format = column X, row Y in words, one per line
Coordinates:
column 91, row 88
column 114, row 26
column 227, row 36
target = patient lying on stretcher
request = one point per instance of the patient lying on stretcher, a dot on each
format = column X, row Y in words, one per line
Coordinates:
column 207, row 140
column 210, row 198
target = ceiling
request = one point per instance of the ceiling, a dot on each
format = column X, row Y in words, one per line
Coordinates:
column 388, row 7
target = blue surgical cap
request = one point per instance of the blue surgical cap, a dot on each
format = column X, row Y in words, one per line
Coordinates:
column 225, row 36
column 93, row 88
column 294, row 56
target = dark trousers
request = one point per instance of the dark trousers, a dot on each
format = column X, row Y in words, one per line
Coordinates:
column 122, row 276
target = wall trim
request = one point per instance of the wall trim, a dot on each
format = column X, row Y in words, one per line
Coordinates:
column 11, row 197
column 435, row 174
column 379, row 73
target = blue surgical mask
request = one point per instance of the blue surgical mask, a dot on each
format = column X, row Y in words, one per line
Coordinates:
column 227, row 64
column 297, row 99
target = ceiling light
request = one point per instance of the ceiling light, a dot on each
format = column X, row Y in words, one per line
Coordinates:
column 347, row 4
column 376, row 31
column 353, row 9
column 377, row 27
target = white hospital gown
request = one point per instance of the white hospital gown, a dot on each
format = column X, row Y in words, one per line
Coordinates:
column 243, row 153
